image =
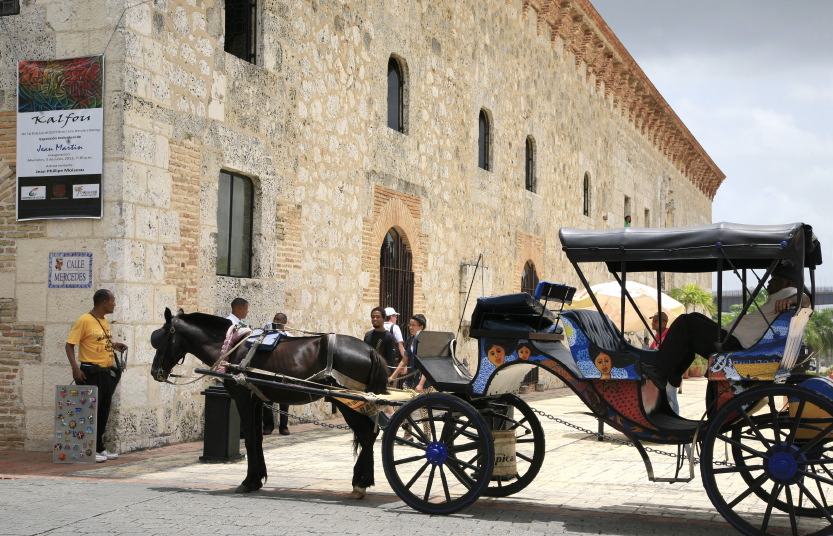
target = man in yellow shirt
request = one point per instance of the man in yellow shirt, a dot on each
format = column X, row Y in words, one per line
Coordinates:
column 91, row 333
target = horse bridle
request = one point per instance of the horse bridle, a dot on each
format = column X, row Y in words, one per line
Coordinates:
column 168, row 344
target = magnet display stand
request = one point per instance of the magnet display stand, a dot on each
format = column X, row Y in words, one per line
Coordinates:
column 76, row 422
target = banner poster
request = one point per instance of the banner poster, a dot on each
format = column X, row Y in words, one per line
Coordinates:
column 60, row 137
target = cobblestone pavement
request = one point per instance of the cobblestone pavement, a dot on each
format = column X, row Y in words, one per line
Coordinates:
column 585, row 487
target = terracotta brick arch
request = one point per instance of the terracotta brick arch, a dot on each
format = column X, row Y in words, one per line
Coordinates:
column 530, row 249
column 395, row 214
column 402, row 212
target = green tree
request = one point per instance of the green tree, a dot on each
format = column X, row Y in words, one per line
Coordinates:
column 734, row 310
column 819, row 333
column 693, row 296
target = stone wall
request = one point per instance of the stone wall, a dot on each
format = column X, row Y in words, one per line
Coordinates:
column 307, row 124
column 19, row 344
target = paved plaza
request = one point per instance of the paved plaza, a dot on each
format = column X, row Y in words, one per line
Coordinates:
column 585, row 487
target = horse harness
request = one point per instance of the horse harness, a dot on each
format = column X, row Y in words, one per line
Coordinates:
column 327, row 373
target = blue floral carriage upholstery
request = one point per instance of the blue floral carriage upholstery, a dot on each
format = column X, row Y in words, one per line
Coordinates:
column 769, row 359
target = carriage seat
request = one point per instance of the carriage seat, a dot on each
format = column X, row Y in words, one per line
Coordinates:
column 518, row 312
column 435, row 359
column 268, row 339
column 598, row 328
column 588, row 333
column 770, row 359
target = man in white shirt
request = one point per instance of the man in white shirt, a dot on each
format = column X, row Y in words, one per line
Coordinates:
column 239, row 310
column 391, row 316
column 694, row 333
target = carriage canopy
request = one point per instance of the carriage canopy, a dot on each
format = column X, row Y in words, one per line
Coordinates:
column 704, row 248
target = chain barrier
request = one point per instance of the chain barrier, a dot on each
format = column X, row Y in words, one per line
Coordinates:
column 304, row 419
column 616, row 439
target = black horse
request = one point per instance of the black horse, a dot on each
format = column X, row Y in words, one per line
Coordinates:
column 351, row 361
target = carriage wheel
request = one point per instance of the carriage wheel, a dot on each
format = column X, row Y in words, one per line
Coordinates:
column 767, row 466
column 510, row 412
column 437, row 453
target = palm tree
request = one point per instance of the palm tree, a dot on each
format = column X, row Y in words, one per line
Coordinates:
column 693, row 296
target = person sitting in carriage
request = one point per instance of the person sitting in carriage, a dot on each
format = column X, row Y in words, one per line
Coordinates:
column 694, row 333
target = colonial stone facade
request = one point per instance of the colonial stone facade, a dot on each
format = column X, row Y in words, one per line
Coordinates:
column 307, row 123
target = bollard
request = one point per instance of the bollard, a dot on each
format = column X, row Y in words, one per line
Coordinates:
column 221, row 443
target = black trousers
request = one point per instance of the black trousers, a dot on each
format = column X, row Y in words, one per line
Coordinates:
column 106, row 383
column 269, row 418
column 284, row 419
column 690, row 334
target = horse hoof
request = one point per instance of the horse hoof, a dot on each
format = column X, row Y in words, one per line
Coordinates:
column 358, row 493
column 243, row 488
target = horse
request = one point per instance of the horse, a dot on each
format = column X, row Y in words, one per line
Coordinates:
column 326, row 357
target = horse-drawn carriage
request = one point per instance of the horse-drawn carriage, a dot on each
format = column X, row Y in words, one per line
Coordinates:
column 765, row 442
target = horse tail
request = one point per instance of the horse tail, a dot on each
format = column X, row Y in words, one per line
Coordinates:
column 377, row 384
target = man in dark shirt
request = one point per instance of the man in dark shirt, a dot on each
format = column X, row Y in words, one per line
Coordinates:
column 379, row 338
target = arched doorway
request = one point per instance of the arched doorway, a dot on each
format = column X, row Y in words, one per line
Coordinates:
column 529, row 281
column 396, row 277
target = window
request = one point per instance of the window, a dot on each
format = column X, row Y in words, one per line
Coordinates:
column 484, row 141
column 627, row 209
column 586, row 191
column 396, row 281
column 530, row 163
column 529, row 279
column 396, row 94
column 9, row 7
column 241, row 29
column 234, row 225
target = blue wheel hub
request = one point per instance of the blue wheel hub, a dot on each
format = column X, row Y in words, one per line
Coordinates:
column 436, row 453
column 784, row 462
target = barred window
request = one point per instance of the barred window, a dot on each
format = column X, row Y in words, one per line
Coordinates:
column 235, row 200
column 529, row 279
column 396, row 288
column 241, row 29
column 529, row 282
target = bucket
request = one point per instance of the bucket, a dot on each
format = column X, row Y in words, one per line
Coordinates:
column 505, row 461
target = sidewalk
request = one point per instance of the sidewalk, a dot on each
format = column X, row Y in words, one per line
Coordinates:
column 578, row 472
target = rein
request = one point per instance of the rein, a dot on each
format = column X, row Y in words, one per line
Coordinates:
column 220, row 362
column 195, row 380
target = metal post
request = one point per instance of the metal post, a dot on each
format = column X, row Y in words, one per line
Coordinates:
column 221, row 442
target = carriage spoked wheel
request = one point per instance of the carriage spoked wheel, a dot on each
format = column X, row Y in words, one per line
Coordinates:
column 510, row 413
column 767, row 461
column 438, row 454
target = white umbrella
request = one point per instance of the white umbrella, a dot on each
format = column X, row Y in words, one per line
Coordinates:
column 645, row 297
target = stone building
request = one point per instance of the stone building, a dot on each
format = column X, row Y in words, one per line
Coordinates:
column 378, row 144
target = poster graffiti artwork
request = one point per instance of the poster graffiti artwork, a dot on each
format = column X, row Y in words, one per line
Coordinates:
column 76, row 424
column 60, row 136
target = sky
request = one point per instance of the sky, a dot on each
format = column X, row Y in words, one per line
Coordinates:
column 753, row 82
